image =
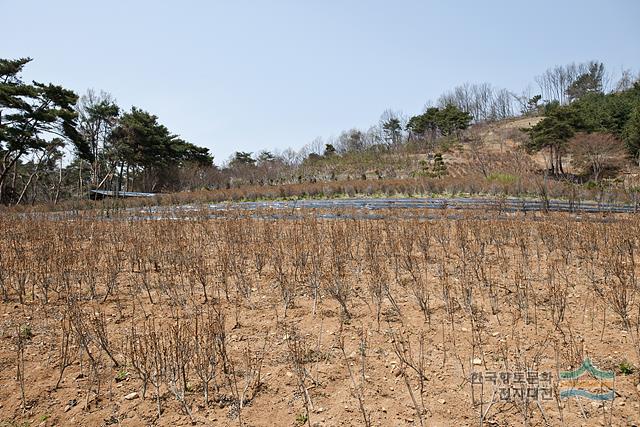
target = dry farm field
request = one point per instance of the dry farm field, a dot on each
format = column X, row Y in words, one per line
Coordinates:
column 262, row 320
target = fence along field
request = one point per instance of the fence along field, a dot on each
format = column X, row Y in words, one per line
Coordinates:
column 308, row 321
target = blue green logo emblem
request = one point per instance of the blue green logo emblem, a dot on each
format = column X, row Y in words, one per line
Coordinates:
column 587, row 381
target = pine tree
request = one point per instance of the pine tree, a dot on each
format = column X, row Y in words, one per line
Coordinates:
column 32, row 117
column 631, row 133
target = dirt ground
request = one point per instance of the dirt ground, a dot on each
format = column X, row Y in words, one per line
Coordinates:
column 508, row 295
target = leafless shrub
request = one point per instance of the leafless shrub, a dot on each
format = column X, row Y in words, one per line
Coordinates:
column 494, row 288
column 358, row 379
column 244, row 379
column 557, row 295
column 620, row 279
column 337, row 284
column 99, row 325
column 595, row 153
column 415, row 363
column 65, row 356
column 284, row 280
column 298, row 355
column 177, row 348
column 20, row 339
column 209, row 334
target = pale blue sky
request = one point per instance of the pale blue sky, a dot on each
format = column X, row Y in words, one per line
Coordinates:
column 247, row 75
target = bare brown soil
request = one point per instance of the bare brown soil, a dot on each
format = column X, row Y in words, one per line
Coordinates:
column 313, row 322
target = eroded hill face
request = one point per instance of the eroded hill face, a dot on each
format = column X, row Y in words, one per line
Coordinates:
column 495, row 144
column 486, row 154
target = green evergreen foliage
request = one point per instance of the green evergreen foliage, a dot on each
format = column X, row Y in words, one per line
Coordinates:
column 392, row 131
column 631, row 133
column 588, row 82
column 533, row 106
column 265, row 157
column 554, row 130
column 329, row 150
column 447, row 121
column 616, row 113
column 436, row 169
column 242, row 158
column 140, row 140
column 34, row 117
column 439, row 167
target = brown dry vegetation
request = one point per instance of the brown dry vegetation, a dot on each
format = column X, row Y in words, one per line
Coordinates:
column 498, row 183
column 257, row 322
column 489, row 162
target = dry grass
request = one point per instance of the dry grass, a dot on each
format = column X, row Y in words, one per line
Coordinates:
column 246, row 321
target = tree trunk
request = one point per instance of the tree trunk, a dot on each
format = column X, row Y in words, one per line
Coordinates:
column 560, row 168
column 55, row 200
column 120, row 177
column 26, row 186
column 6, row 169
column 80, row 179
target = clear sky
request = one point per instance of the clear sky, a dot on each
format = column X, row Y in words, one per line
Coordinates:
column 246, row 75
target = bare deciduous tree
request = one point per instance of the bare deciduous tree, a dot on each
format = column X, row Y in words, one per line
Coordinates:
column 596, row 152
